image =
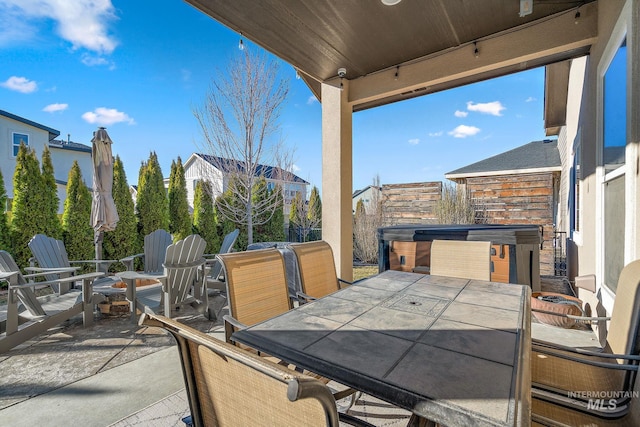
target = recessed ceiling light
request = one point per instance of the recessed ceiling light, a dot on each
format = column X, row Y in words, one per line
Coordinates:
column 390, row 2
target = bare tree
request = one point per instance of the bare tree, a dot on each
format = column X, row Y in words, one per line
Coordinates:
column 240, row 125
column 456, row 207
column 367, row 219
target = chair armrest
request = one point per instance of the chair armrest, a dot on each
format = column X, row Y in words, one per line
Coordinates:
column 351, row 420
column 52, row 270
column 231, row 324
column 236, row 323
column 62, row 280
column 581, row 319
column 130, row 258
column 302, row 297
column 570, row 353
column 341, row 281
column 7, row 275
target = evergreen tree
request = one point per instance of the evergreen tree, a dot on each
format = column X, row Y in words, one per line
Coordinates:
column 315, row 208
column 293, row 211
column 122, row 241
column 179, row 218
column 5, row 241
column 51, row 222
column 269, row 225
column 27, row 207
column 227, row 225
column 77, row 232
column 152, row 203
column 204, row 219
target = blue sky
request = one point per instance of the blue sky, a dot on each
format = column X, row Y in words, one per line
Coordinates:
column 76, row 65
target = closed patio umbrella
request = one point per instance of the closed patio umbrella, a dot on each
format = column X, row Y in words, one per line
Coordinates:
column 104, row 215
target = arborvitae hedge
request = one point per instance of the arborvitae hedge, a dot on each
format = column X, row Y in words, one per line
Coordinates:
column 152, row 203
column 51, row 222
column 204, row 218
column 315, row 207
column 5, row 241
column 122, row 241
column 27, row 204
column 77, row 232
column 179, row 217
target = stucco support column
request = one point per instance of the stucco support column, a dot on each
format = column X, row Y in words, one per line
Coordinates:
column 633, row 123
column 337, row 181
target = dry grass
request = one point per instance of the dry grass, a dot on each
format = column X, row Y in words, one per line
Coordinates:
column 360, row 272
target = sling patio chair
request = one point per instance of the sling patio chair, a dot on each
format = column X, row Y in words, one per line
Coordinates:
column 610, row 370
column 50, row 254
column 550, row 413
column 257, row 290
column 178, row 278
column 229, row 386
column 317, row 270
column 461, row 258
column 28, row 315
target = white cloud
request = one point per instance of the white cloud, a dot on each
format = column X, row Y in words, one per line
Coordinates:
column 186, row 74
column 464, row 131
column 52, row 108
column 84, row 23
column 494, row 108
column 312, row 100
column 93, row 61
column 106, row 116
column 295, row 168
column 436, row 134
column 20, row 84
column 530, row 99
column 414, row 141
column 459, row 113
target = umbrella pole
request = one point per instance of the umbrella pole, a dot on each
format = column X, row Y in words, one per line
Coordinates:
column 98, row 240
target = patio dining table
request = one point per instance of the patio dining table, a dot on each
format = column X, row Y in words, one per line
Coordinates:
column 451, row 351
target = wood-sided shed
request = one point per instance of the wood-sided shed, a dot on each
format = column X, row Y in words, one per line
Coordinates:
column 519, row 186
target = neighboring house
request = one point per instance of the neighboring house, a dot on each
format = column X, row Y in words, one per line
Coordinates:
column 133, row 190
column 15, row 129
column 367, row 195
column 519, row 186
column 203, row 167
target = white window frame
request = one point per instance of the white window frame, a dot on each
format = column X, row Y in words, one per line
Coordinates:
column 15, row 147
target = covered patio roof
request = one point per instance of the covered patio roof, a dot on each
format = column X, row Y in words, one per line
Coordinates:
column 412, row 48
column 392, row 53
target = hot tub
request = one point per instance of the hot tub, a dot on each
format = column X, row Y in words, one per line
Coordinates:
column 515, row 249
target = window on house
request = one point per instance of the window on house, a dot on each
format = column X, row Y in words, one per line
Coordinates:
column 614, row 119
column 19, row 138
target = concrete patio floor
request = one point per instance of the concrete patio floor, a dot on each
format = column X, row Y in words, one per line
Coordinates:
column 116, row 373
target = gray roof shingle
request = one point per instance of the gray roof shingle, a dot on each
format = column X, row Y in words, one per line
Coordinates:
column 534, row 155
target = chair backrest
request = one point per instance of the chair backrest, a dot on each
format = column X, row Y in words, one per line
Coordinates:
column 256, row 284
column 461, row 258
column 317, row 268
column 49, row 253
column 228, row 386
column 181, row 264
column 26, row 295
column 155, row 249
column 226, row 247
column 624, row 327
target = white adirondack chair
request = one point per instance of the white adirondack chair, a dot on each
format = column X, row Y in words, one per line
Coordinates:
column 28, row 316
column 155, row 248
column 178, row 278
column 50, row 254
